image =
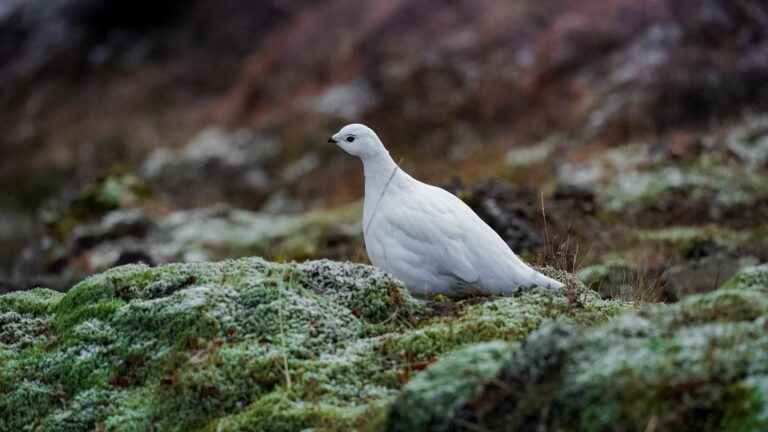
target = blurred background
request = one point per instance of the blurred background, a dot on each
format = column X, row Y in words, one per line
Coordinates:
column 625, row 140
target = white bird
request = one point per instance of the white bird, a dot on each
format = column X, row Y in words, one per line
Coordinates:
column 426, row 236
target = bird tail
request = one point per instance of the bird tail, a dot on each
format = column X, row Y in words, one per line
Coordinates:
column 546, row 281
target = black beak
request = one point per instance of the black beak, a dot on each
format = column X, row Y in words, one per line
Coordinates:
column 331, row 140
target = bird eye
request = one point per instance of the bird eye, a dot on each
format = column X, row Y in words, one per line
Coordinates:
column 350, row 138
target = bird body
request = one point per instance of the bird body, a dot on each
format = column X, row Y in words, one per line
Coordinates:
column 426, row 236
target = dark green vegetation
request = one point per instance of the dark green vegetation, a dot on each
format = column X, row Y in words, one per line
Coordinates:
column 242, row 345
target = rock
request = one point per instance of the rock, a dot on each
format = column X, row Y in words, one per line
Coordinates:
column 700, row 364
column 216, row 166
column 218, row 232
column 675, row 262
column 16, row 229
column 113, row 221
column 702, row 275
column 116, row 190
column 230, row 345
column 114, row 225
column 102, row 212
column 656, row 190
column 223, row 232
column 699, row 259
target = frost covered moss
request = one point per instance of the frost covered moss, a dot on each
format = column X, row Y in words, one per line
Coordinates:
column 241, row 345
column 221, row 232
column 700, row 364
column 505, row 318
column 446, row 386
column 25, row 316
column 754, row 278
column 647, row 178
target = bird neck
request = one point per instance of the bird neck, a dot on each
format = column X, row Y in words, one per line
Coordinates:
column 378, row 170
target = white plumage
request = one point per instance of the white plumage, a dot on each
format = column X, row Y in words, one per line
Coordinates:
column 426, row 236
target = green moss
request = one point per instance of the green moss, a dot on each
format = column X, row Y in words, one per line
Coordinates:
column 84, row 411
column 216, row 381
column 37, row 301
column 253, row 345
column 748, row 410
column 25, row 316
column 613, row 279
column 506, row 318
column 278, row 412
column 721, row 306
column 364, row 290
column 133, row 413
column 647, row 179
column 696, row 365
column 227, row 345
column 425, row 400
column 753, row 278
column 25, row 404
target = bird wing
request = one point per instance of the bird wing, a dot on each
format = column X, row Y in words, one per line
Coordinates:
column 432, row 222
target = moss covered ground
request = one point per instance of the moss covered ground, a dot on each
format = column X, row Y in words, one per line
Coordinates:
column 700, row 364
column 250, row 345
column 244, row 345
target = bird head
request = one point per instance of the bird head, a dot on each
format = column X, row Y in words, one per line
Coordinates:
column 358, row 140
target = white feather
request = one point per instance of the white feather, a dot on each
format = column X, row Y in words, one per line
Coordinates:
column 426, row 236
